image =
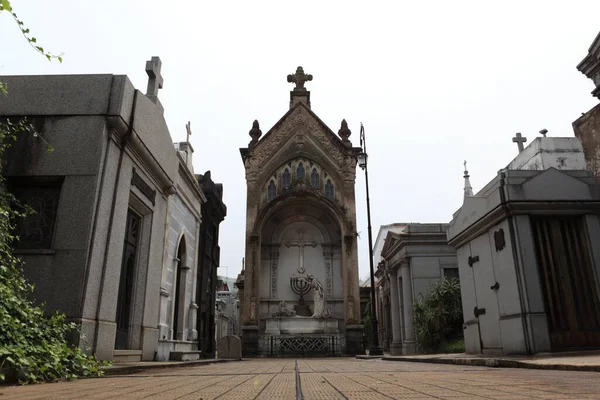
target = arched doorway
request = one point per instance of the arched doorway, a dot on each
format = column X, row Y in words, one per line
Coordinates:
column 179, row 298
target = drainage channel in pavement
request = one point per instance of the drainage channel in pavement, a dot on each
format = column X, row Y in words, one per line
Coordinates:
column 298, row 383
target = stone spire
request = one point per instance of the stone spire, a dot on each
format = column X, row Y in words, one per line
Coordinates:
column 299, row 94
column 468, row 189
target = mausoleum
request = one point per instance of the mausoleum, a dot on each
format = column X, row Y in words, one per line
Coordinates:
column 300, row 288
column 528, row 254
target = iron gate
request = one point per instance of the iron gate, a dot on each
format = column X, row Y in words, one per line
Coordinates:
column 301, row 346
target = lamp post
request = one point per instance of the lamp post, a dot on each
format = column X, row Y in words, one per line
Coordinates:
column 375, row 349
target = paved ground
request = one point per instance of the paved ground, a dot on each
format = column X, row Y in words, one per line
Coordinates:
column 572, row 361
column 324, row 379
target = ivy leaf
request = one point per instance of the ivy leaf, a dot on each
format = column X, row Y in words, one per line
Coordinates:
column 6, row 5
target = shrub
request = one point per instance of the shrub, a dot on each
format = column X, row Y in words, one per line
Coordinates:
column 454, row 346
column 438, row 316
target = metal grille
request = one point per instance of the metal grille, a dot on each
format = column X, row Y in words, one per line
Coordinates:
column 299, row 346
column 571, row 295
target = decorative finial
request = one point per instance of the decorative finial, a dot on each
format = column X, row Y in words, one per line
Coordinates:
column 543, row 132
column 299, row 78
column 255, row 133
column 345, row 132
column 155, row 79
column 468, row 189
column 519, row 140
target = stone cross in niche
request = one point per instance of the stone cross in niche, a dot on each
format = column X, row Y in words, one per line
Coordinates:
column 301, row 244
column 519, row 140
column 155, row 79
column 299, row 78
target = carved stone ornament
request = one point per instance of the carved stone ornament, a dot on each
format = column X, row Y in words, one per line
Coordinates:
column 299, row 78
column 255, row 133
column 345, row 132
column 298, row 121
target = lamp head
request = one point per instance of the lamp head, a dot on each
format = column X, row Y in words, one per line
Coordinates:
column 362, row 159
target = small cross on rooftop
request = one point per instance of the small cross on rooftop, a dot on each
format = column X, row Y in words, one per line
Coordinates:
column 188, row 128
column 299, row 78
column 155, row 79
column 519, row 140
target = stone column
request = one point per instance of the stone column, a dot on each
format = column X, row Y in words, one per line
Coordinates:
column 396, row 345
column 328, row 255
column 164, row 306
column 274, row 267
column 409, row 339
column 193, row 318
column 251, row 298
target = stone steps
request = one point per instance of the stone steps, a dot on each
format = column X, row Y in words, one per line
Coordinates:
column 190, row 355
column 122, row 356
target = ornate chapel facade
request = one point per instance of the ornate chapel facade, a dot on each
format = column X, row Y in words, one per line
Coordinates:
column 300, row 221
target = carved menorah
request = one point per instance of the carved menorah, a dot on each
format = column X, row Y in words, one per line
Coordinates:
column 299, row 286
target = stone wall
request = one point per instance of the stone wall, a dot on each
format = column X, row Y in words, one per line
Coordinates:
column 587, row 129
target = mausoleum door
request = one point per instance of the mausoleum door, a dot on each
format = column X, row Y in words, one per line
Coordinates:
column 486, row 310
column 568, row 281
column 126, row 281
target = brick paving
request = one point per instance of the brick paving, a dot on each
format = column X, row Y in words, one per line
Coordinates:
column 327, row 378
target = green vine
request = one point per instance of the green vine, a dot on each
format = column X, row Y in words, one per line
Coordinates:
column 33, row 347
column 5, row 6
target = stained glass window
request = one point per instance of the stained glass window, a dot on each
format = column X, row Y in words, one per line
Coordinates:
column 287, row 179
column 300, row 171
column 271, row 191
column 314, row 179
column 329, row 190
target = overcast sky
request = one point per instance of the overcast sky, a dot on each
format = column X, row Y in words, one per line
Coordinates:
column 434, row 82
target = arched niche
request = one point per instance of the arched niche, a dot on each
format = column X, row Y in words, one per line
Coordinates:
column 296, row 239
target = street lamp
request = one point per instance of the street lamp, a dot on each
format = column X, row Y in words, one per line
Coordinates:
column 375, row 349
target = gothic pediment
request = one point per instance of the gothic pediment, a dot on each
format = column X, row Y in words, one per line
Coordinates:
column 294, row 129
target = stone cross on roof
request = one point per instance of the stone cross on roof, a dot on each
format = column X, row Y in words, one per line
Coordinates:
column 299, row 78
column 519, row 140
column 155, row 79
column 188, row 128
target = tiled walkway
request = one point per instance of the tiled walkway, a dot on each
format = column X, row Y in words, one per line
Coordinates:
column 339, row 378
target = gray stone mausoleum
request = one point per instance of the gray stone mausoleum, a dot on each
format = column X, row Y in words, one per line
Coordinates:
column 528, row 254
column 113, row 242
